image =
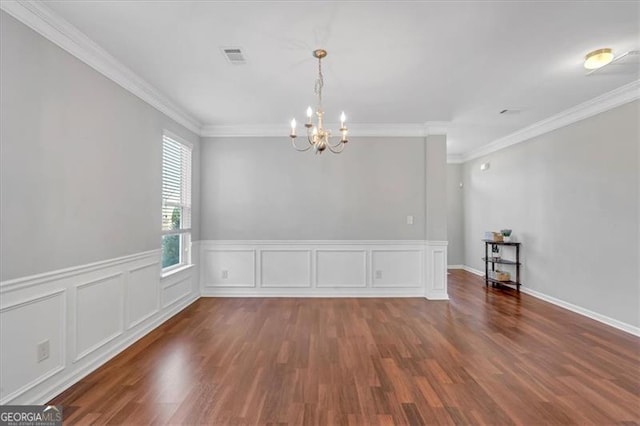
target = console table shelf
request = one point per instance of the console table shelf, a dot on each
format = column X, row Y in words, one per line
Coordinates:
column 500, row 261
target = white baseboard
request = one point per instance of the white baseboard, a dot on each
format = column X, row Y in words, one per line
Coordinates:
column 455, row 266
column 87, row 314
column 325, row 268
column 571, row 307
column 583, row 311
column 472, row 270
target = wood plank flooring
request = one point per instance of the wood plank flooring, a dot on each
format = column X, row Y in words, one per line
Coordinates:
column 488, row 356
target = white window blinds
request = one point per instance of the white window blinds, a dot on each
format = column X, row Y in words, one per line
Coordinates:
column 176, row 187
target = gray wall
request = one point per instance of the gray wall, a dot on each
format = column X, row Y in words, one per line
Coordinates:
column 435, row 176
column 261, row 188
column 80, row 160
column 571, row 198
column 455, row 215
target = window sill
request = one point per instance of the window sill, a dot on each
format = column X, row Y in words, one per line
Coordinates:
column 177, row 270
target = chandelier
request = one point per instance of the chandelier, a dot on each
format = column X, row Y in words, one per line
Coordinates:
column 318, row 137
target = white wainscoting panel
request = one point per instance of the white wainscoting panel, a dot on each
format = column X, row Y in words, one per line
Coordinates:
column 143, row 294
column 436, row 276
column 321, row 268
column 99, row 313
column 88, row 313
column 229, row 268
column 177, row 288
column 285, row 268
column 23, row 326
column 396, row 268
column 341, row 268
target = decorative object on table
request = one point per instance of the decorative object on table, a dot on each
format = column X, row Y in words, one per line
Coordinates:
column 493, row 236
column 495, row 252
column 506, row 235
column 317, row 136
column 499, row 275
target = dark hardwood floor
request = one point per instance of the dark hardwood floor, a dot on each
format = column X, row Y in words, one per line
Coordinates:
column 487, row 356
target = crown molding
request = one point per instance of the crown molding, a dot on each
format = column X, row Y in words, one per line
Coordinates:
column 44, row 21
column 245, row 130
column 436, row 127
column 602, row 103
column 355, row 129
column 455, row 159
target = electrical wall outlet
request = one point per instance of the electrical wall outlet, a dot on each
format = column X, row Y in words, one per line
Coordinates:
column 43, row 350
column 378, row 275
column 225, row 274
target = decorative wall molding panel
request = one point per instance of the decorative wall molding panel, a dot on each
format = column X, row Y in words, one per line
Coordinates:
column 323, row 268
column 282, row 268
column 341, row 268
column 229, row 267
column 403, row 268
column 99, row 313
column 631, row 329
column 19, row 369
column 142, row 294
column 436, row 272
column 84, row 315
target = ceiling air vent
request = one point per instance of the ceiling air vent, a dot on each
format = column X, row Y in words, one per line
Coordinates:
column 234, row 55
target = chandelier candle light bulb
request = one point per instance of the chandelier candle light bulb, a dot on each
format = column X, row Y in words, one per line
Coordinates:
column 318, row 137
column 309, row 114
column 343, row 129
column 293, row 128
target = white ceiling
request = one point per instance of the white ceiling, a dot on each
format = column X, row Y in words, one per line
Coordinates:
column 388, row 62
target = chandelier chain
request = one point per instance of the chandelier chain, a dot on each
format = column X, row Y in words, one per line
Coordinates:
column 319, row 82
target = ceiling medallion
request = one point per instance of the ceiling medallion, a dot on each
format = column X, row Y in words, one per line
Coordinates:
column 317, row 136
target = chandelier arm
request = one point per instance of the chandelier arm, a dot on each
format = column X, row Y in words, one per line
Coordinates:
column 336, row 145
column 336, row 151
column 293, row 143
column 309, row 137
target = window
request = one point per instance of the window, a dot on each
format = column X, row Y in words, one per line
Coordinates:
column 176, row 202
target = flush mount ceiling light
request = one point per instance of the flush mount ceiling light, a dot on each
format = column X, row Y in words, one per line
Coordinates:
column 317, row 136
column 598, row 58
